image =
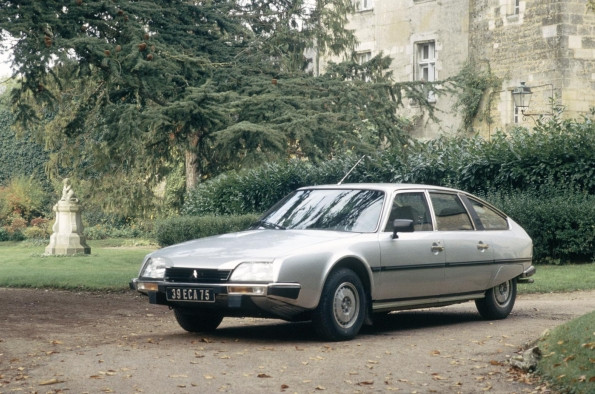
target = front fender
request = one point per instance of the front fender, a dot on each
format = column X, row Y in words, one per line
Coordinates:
column 312, row 269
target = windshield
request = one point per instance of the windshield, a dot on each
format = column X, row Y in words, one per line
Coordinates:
column 331, row 209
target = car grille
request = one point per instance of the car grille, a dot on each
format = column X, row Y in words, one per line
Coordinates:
column 191, row 275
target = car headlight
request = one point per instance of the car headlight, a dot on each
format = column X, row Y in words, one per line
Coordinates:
column 254, row 271
column 154, row 268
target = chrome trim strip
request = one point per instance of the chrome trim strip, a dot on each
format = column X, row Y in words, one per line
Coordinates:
column 449, row 265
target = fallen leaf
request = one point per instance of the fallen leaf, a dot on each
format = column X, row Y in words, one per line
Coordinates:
column 569, row 358
column 51, row 381
column 263, row 375
column 55, row 342
column 435, row 353
column 320, row 388
column 284, row 387
column 592, row 379
column 366, row 383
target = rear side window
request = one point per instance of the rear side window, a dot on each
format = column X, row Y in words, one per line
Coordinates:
column 450, row 212
column 490, row 219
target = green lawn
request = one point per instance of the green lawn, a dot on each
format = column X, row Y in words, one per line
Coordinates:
column 110, row 266
column 561, row 279
column 569, row 354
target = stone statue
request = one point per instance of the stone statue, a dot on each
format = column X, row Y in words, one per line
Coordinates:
column 67, row 192
column 67, row 237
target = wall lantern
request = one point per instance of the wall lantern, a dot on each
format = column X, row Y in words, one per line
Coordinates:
column 522, row 96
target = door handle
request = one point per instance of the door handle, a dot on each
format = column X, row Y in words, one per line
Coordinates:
column 437, row 248
column 483, row 247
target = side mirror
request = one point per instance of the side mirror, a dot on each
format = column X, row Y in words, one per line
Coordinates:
column 402, row 226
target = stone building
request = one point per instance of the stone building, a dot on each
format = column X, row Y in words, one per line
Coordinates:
column 548, row 44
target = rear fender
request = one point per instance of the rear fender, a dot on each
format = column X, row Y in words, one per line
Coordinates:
column 506, row 272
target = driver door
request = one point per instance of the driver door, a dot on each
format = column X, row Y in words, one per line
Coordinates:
column 412, row 265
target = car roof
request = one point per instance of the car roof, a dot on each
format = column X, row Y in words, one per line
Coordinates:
column 386, row 187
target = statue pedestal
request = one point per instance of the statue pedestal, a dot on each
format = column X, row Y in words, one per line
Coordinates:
column 68, row 238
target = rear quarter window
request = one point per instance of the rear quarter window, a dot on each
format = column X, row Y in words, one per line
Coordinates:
column 490, row 219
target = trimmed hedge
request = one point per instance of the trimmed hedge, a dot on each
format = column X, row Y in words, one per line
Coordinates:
column 180, row 229
column 559, row 153
column 562, row 225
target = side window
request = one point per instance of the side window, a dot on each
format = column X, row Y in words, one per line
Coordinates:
column 412, row 206
column 450, row 212
column 490, row 219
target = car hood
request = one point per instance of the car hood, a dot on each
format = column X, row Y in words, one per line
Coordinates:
column 227, row 250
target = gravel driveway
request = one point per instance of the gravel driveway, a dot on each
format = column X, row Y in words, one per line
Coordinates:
column 56, row 341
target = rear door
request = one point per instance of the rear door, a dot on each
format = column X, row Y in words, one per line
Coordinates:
column 468, row 249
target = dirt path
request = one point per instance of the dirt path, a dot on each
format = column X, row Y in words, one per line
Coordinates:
column 55, row 341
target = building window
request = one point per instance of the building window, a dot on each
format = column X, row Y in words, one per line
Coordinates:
column 517, row 114
column 426, row 64
column 363, row 57
column 364, row 5
column 426, row 61
column 513, row 7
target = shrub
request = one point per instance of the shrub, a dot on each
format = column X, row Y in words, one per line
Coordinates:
column 23, row 196
column 180, row 229
column 131, row 230
column 561, row 223
column 4, row 236
column 35, row 233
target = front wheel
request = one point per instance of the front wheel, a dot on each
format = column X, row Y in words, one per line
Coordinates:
column 342, row 308
column 198, row 320
column 498, row 301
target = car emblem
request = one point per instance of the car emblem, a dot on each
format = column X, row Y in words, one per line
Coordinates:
column 195, row 274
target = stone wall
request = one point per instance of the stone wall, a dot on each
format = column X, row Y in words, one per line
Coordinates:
column 548, row 44
column 394, row 28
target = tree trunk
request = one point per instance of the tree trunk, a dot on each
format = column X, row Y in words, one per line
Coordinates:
column 191, row 169
column 192, row 173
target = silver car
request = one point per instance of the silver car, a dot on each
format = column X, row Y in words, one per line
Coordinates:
column 339, row 254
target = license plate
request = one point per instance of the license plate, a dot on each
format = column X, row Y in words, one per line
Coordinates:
column 192, row 294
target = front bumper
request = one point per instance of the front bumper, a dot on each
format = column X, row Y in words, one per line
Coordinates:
column 233, row 299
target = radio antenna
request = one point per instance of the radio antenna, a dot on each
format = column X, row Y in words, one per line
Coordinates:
column 352, row 168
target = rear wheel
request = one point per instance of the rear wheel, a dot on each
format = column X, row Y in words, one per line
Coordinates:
column 498, row 302
column 198, row 320
column 342, row 308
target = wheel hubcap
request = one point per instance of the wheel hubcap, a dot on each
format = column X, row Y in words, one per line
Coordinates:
column 502, row 293
column 346, row 305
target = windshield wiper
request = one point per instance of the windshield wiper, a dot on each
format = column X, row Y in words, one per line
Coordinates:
column 269, row 225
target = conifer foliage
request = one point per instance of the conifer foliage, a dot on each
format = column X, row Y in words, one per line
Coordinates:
column 129, row 88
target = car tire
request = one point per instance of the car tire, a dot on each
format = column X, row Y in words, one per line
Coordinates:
column 342, row 308
column 498, row 301
column 198, row 320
